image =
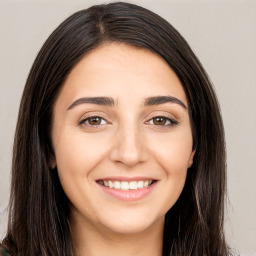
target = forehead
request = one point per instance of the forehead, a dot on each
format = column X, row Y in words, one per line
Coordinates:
column 122, row 72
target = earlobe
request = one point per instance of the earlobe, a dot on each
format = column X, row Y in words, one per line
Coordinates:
column 190, row 161
column 52, row 163
column 50, row 157
column 51, row 160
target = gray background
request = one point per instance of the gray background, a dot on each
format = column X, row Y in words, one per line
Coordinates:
column 222, row 34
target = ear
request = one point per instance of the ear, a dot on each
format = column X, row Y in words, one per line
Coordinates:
column 190, row 160
column 52, row 162
column 51, row 157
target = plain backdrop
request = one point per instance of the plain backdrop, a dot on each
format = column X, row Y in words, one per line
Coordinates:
column 223, row 36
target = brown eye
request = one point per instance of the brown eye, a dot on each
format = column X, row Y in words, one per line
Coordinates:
column 159, row 120
column 162, row 121
column 93, row 121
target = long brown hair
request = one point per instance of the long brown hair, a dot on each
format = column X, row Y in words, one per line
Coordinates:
column 39, row 208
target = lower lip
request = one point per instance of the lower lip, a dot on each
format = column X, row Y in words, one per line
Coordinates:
column 128, row 195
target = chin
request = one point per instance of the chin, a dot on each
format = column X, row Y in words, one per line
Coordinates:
column 132, row 225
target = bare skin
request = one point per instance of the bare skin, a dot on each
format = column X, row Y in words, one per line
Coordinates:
column 140, row 134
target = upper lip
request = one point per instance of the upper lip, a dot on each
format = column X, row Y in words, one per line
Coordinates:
column 122, row 178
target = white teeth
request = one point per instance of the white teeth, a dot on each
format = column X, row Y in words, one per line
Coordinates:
column 140, row 184
column 125, row 185
column 145, row 183
column 110, row 184
column 133, row 184
column 117, row 184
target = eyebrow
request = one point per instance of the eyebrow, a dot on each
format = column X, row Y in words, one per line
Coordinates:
column 105, row 101
column 108, row 101
column 163, row 99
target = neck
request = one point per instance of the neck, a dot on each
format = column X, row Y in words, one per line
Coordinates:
column 94, row 241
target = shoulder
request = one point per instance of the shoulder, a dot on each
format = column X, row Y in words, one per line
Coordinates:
column 3, row 251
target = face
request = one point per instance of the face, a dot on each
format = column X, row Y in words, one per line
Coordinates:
column 122, row 139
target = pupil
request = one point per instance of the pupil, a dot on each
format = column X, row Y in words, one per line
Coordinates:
column 159, row 120
column 95, row 120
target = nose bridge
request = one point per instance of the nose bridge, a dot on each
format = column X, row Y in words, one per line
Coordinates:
column 131, row 139
column 130, row 146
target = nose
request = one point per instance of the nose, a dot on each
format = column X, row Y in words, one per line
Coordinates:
column 129, row 147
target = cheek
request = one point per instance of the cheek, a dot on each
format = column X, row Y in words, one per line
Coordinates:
column 77, row 153
column 173, row 152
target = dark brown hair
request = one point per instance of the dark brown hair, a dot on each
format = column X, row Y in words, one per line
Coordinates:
column 39, row 208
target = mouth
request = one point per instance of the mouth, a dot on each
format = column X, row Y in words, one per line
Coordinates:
column 127, row 188
column 126, row 185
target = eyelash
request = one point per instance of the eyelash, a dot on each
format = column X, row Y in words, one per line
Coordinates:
column 91, row 117
column 171, row 121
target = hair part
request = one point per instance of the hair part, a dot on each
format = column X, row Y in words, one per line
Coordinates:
column 39, row 212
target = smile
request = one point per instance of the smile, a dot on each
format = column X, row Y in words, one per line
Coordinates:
column 125, row 185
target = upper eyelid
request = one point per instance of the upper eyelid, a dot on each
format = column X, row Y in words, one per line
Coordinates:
column 87, row 117
column 162, row 114
column 168, row 117
column 171, row 120
column 93, row 114
column 152, row 114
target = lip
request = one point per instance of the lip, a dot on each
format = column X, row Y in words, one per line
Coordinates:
column 128, row 195
column 121, row 178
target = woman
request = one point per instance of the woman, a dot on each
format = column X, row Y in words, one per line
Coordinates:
column 119, row 146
